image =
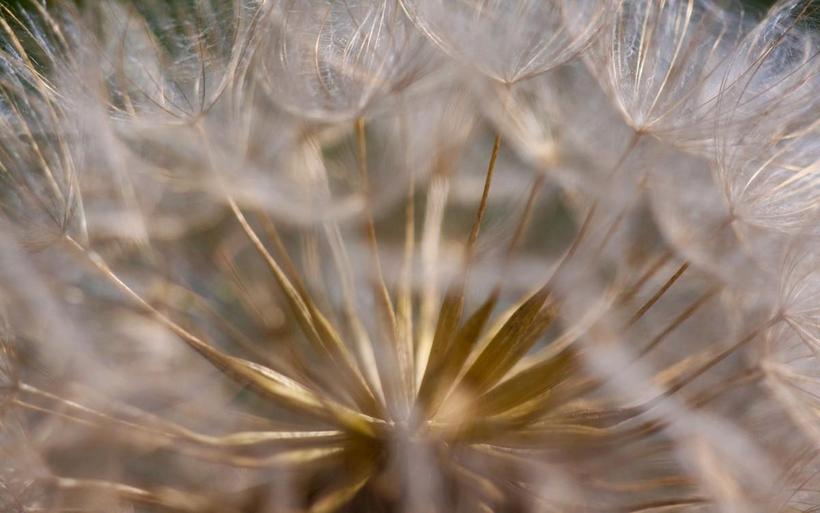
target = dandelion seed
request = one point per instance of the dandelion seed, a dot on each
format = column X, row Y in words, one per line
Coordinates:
column 662, row 61
column 536, row 35
column 329, row 60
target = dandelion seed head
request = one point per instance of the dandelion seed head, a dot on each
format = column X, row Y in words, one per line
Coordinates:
column 281, row 256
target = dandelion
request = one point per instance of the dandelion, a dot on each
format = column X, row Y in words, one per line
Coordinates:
column 776, row 189
column 537, row 35
column 662, row 64
column 338, row 56
column 771, row 149
column 769, row 83
column 558, row 119
column 792, row 346
column 205, row 46
column 273, row 256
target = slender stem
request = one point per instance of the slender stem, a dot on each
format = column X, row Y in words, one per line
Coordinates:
column 391, row 367
column 656, row 297
column 682, row 317
column 485, row 194
column 586, row 224
column 451, row 310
